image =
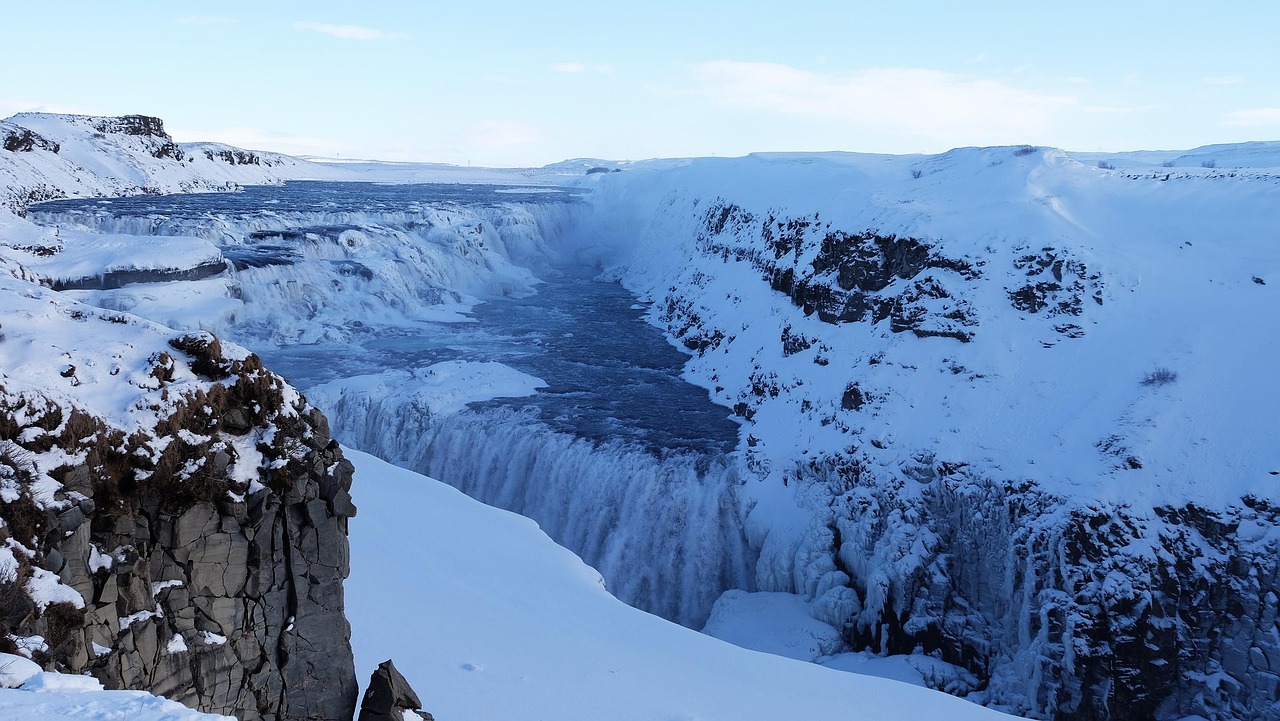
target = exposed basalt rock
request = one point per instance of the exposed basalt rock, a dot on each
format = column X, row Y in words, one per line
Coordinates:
column 22, row 140
column 235, row 156
column 1056, row 285
column 198, row 582
column 143, row 126
column 845, row 277
column 389, row 697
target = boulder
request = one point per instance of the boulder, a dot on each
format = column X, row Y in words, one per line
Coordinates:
column 390, row 696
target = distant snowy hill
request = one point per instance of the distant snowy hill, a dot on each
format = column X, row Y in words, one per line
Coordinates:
column 55, row 156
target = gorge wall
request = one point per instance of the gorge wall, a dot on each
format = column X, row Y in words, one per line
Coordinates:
column 1013, row 427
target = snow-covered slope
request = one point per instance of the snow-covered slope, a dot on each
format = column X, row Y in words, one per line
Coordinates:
column 49, row 156
column 1027, row 400
column 492, row 620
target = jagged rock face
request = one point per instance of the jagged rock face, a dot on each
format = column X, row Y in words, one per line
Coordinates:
column 1090, row 612
column 235, row 156
column 22, row 140
column 145, row 126
column 206, row 557
column 842, row 277
column 134, row 125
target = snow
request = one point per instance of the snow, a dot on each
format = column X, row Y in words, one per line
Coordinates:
column 488, row 618
column 86, row 255
column 44, row 682
column 46, row 588
column 209, row 638
column 96, row 158
column 441, row 388
column 772, row 622
column 58, row 697
column 15, row 670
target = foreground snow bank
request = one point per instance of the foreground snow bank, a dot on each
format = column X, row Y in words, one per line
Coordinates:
column 61, row 697
column 489, row 619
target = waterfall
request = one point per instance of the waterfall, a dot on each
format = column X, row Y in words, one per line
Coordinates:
column 665, row 531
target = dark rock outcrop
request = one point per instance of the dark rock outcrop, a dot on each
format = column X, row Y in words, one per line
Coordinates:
column 145, row 126
column 847, row 277
column 120, row 278
column 22, row 140
column 389, row 697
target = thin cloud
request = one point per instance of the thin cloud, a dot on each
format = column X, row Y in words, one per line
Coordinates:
column 1254, row 118
column 348, row 32
column 502, row 134
column 929, row 103
column 258, row 139
column 1225, row 80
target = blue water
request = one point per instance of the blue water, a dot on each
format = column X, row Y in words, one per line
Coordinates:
column 309, row 197
column 610, row 375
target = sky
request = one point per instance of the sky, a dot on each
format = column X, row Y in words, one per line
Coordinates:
column 530, row 83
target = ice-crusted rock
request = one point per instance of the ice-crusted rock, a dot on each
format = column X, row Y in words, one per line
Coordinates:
column 389, row 697
column 174, row 515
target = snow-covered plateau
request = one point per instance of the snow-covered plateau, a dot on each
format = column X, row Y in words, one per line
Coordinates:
column 999, row 421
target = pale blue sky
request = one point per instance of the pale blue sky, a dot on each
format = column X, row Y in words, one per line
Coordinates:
column 511, row 83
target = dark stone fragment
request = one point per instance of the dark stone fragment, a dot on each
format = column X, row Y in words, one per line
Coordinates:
column 388, row 695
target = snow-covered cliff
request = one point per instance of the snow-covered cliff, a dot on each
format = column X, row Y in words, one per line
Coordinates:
column 1028, row 402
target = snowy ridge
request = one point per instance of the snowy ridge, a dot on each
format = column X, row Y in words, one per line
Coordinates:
column 53, row 156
